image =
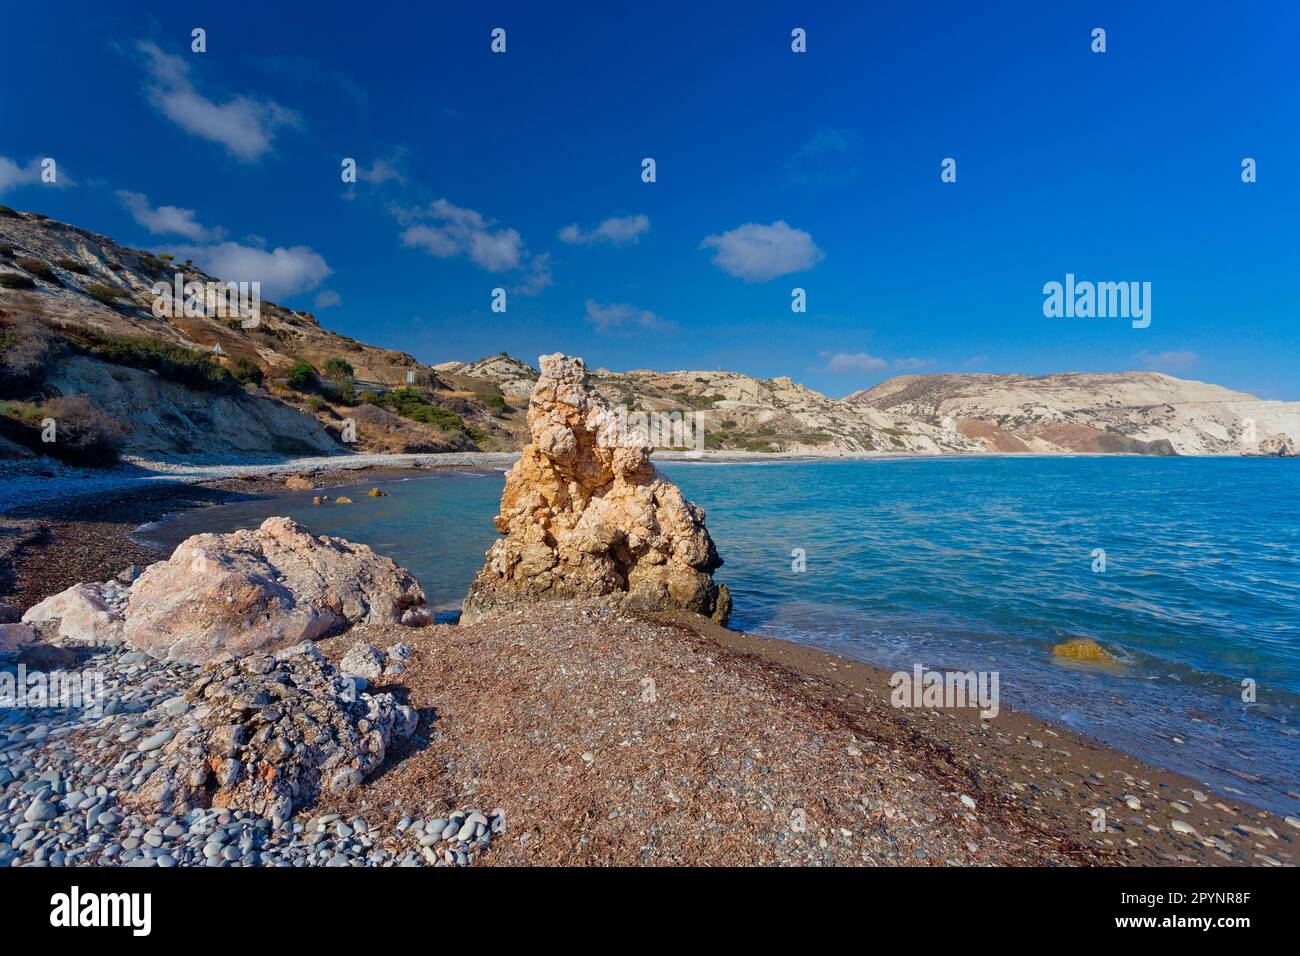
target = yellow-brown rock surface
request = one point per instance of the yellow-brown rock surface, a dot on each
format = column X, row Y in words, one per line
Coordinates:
column 585, row 514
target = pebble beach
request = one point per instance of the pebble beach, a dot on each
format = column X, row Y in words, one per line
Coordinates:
column 586, row 735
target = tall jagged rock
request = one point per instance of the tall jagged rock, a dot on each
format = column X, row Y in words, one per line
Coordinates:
column 585, row 514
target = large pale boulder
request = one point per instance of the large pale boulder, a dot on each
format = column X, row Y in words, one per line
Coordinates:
column 263, row 589
column 585, row 514
column 83, row 614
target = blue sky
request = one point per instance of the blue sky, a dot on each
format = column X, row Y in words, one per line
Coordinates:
column 775, row 170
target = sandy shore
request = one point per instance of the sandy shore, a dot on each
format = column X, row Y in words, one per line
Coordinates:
column 746, row 750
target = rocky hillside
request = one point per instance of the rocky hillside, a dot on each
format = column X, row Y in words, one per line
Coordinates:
column 80, row 343
column 1144, row 412
column 77, row 321
column 513, row 378
column 1122, row 412
column 738, row 412
column 749, row 414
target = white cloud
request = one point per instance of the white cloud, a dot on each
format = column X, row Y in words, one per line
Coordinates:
column 975, row 360
column 758, row 253
column 607, row 318
column 616, row 230
column 911, row 364
column 844, row 362
column 327, row 299
column 282, row 272
column 1169, row 361
column 463, row 232
column 538, row 277
column 166, row 220
column 244, row 125
column 11, row 174
column 381, row 171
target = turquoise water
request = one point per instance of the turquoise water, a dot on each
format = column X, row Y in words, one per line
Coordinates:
column 973, row 563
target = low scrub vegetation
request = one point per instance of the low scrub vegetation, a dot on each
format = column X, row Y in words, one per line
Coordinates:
column 246, row 371
column 494, row 402
column 302, row 377
column 27, row 346
column 72, row 265
column 16, row 280
column 338, row 381
column 189, row 367
column 37, row 268
column 69, row 429
column 409, row 403
column 109, row 295
column 337, row 368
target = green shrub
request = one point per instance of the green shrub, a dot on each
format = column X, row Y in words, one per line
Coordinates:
column 495, row 401
column 337, row 368
column 107, row 294
column 15, row 280
column 189, row 367
column 10, row 213
column 368, row 397
column 409, row 403
column 246, row 371
column 302, row 377
column 6, row 250
column 72, row 265
column 37, row 268
column 316, row 403
column 342, row 391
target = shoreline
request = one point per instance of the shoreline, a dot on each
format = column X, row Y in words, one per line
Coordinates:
column 88, row 540
column 56, row 482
